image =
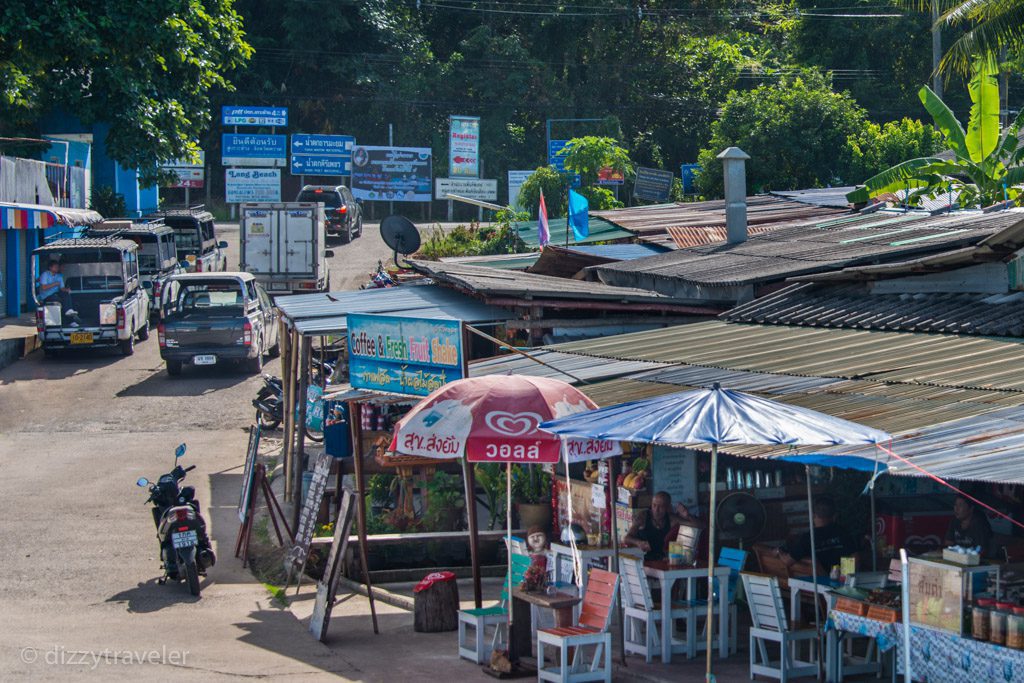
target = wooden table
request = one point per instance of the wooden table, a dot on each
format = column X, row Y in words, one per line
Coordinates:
column 667, row 575
column 520, row 640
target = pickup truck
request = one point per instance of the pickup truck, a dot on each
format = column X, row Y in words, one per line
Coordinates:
column 195, row 236
column 216, row 318
column 106, row 291
column 283, row 246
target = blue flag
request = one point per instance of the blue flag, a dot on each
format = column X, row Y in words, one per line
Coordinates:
column 579, row 218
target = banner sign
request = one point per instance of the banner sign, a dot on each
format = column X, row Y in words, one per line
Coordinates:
column 403, row 355
column 253, row 150
column 473, row 188
column 188, row 174
column 322, row 154
column 652, row 184
column 252, row 185
column 464, row 146
column 609, row 176
column 392, row 174
column 254, row 116
column 515, row 181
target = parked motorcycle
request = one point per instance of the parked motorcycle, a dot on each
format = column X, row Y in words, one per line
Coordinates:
column 380, row 279
column 269, row 401
column 185, row 550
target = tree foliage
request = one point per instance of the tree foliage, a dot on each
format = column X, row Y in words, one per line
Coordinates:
column 147, row 69
column 548, row 180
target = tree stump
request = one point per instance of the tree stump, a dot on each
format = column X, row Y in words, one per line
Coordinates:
column 436, row 608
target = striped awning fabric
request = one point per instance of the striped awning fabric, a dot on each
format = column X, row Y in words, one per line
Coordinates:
column 14, row 218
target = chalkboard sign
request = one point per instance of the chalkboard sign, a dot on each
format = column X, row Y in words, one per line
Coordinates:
column 247, row 473
column 307, row 519
column 674, row 470
column 327, row 588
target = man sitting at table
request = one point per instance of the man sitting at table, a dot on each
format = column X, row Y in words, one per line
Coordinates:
column 653, row 530
column 969, row 527
column 831, row 542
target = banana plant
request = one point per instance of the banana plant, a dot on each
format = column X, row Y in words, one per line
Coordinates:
column 985, row 167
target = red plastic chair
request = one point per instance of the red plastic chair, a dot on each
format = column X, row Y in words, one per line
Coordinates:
column 591, row 631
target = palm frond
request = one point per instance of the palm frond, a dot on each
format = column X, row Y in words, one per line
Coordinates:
column 999, row 24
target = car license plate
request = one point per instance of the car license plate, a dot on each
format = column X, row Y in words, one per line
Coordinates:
column 205, row 360
column 278, row 285
column 81, row 337
column 185, row 539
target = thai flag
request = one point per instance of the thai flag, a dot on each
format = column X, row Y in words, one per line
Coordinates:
column 543, row 234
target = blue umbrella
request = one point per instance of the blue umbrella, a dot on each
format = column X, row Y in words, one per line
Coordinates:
column 714, row 416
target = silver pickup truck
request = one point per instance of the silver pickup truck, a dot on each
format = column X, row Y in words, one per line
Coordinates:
column 106, row 292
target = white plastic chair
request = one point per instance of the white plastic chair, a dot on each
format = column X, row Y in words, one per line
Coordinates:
column 768, row 614
column 641, row 616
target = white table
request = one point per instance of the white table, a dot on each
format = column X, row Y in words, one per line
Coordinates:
column 797, row 586
column 562, row 555
column 667, row 575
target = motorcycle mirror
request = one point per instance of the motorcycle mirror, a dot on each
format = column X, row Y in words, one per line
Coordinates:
column 142, row 482
column 179, row 451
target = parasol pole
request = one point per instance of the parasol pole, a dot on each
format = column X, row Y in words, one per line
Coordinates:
column 508, row 539
column 814, row 562
column 711, row 560
column 874, row 523
column 474, row 549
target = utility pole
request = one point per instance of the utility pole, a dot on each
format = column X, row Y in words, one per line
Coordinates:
column 936, row 49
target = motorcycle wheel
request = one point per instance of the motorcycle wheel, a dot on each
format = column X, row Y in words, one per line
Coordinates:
column 192, row 577
column 266, row 421
column 314, row 436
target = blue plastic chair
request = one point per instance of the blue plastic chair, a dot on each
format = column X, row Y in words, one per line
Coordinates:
column 734, row 559
column 495, row 616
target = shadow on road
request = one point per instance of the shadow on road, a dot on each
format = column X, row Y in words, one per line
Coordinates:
column 152, row 597
column 190, row 383
column 61, row 366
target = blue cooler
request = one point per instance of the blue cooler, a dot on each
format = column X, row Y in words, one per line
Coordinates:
column 337, row 432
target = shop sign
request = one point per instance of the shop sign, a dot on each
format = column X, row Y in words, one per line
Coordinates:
column 464, row 146
column 392, row 174
column 189, row 174
column 403, row 355
column 610, row 176
column 252, row 185
column 936, row 595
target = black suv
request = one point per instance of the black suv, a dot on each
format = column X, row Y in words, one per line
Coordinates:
column 344, row 214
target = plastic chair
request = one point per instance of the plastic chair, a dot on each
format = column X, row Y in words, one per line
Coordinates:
column 768, row 614
column 735, row 559
column 641, row 615
column 495, row 616
column 591, row 630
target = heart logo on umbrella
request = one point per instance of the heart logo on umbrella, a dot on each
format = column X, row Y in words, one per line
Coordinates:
column 512, row 424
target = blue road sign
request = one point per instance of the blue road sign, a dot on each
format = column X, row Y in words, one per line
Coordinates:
column 322, row 154
column 253, row 116
column 253, row 150
column 554, row 159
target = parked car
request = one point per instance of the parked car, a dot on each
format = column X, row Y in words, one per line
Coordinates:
column 157, row 254
column 195, row 237
column 215, row 318
column 344, row 214
column 106, row 291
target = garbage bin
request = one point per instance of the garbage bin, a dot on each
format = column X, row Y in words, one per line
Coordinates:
column 337, row 433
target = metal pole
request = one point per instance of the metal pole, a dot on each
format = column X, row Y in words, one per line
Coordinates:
column 936, row 49
column 286, row 366
column 711, row 560
column 613, row 497
column 474, row 550
column 814, row 564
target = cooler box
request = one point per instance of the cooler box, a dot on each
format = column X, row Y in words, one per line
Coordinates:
column 917, row 525
column 337, row 431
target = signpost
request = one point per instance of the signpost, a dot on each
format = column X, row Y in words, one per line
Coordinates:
column 322, row 154
column 327, row 587
column 484, row 190
column 392, row 174
column 253, row 150
column 515, row 181
column 403, row 355
column 464, row 146
column 253, row 116
column 252, row 185
column 652, row 184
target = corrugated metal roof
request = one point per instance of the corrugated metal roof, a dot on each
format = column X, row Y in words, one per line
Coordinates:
column 620, row 252
column 499, row 261
column 580, row 367
column 600, row 230
column 834, row 197
column 325, row 313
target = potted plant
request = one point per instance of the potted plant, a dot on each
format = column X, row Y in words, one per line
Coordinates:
column 531, row 490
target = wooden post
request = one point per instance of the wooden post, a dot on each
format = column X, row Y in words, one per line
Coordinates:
column 286, row 365
column 474, row 542
column 613, row 497
column 355, row 414
column 305, row 345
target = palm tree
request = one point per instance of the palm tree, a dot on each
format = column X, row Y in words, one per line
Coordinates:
column 985, row 166
column 992, row 26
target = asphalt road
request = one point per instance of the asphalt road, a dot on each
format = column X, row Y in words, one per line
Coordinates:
column 78, row 556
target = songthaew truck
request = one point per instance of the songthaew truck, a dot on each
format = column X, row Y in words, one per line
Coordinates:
column 283, row 246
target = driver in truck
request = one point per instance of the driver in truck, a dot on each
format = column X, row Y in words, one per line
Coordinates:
column 52, row 288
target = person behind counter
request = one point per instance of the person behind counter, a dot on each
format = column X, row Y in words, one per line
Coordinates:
column 652, row 531
column 969, row 526
column 831, row 542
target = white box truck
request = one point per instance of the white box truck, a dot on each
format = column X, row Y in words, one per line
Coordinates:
column 283, row 246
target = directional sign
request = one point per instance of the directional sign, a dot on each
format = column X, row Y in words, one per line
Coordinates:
column 254, row 116
column 253, row 150
column 554, row 158
column 322, row 154
column 473, row 188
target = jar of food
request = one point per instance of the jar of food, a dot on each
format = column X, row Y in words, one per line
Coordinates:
column 980, row 619
column 1015, row 629
column 997, row 623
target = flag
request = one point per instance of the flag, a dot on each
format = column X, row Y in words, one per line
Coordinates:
column 543, row 234
column 578, row 215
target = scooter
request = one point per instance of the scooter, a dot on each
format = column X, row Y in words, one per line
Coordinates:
column 185, row 550
column 269, row 401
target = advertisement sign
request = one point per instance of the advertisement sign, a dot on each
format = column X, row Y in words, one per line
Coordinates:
column 652, row 184
column 403, row 355
column 253, row 116
column 322, row 154
column 484, row 190
column 688, row 173
column 609, row 176
column 392, row 174
column 515, row 181
column 464, row 146
column 253, row 150
column 188, row 174
column 252, row 185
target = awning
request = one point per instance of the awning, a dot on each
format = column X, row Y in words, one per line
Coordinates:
column 39, row 217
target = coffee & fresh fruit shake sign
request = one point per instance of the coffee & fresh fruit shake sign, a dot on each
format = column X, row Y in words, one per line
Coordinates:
column 403, row 355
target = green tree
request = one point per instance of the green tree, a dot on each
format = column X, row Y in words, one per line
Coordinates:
column 145, row 68
column 548, row 180
column 984, row 164
column 587, row 155
column 877, row 147
column 990, row 27
column 796, row 132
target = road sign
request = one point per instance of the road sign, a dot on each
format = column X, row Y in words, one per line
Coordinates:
column 652, row 184
column 515, row 181
column 554, row 158
column 253, row 150
column 189, row 174
column 464, row 146
column 688, row 173
column 254, row 116
column 322, row 154
column 473, row 188
column 252, row 185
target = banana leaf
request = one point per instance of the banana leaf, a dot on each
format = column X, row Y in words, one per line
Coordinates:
column 902, row 176
column 945, row 121
column 983, row 128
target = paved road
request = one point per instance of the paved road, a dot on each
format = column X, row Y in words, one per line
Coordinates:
column 78, row 559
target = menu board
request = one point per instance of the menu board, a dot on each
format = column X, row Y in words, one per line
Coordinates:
column 936, row 595
column 296, row 557
column 583, row 511
column 674, row 470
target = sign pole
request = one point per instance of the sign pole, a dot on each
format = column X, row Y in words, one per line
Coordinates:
column 470, row 481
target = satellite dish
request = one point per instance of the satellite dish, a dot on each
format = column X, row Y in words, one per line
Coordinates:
column 399, row 233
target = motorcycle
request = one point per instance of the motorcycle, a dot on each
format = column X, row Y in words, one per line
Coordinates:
column 380, row 279
column 185, row 550
column 269, row 401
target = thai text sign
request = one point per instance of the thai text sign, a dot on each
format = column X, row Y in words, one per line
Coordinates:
column 464, row 146
column 473, row 188
column 515, row 181
column 252, row 185
column 403, row 355
column 652, row 184
column 392, row 174
column 253, row 150
column 936, row 595
column 322, row 154
column 254, row 116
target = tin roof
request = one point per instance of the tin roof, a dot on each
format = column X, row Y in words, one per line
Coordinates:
column 564, row 366
column 87, row 243
column 16, row 215
column 600, row 230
